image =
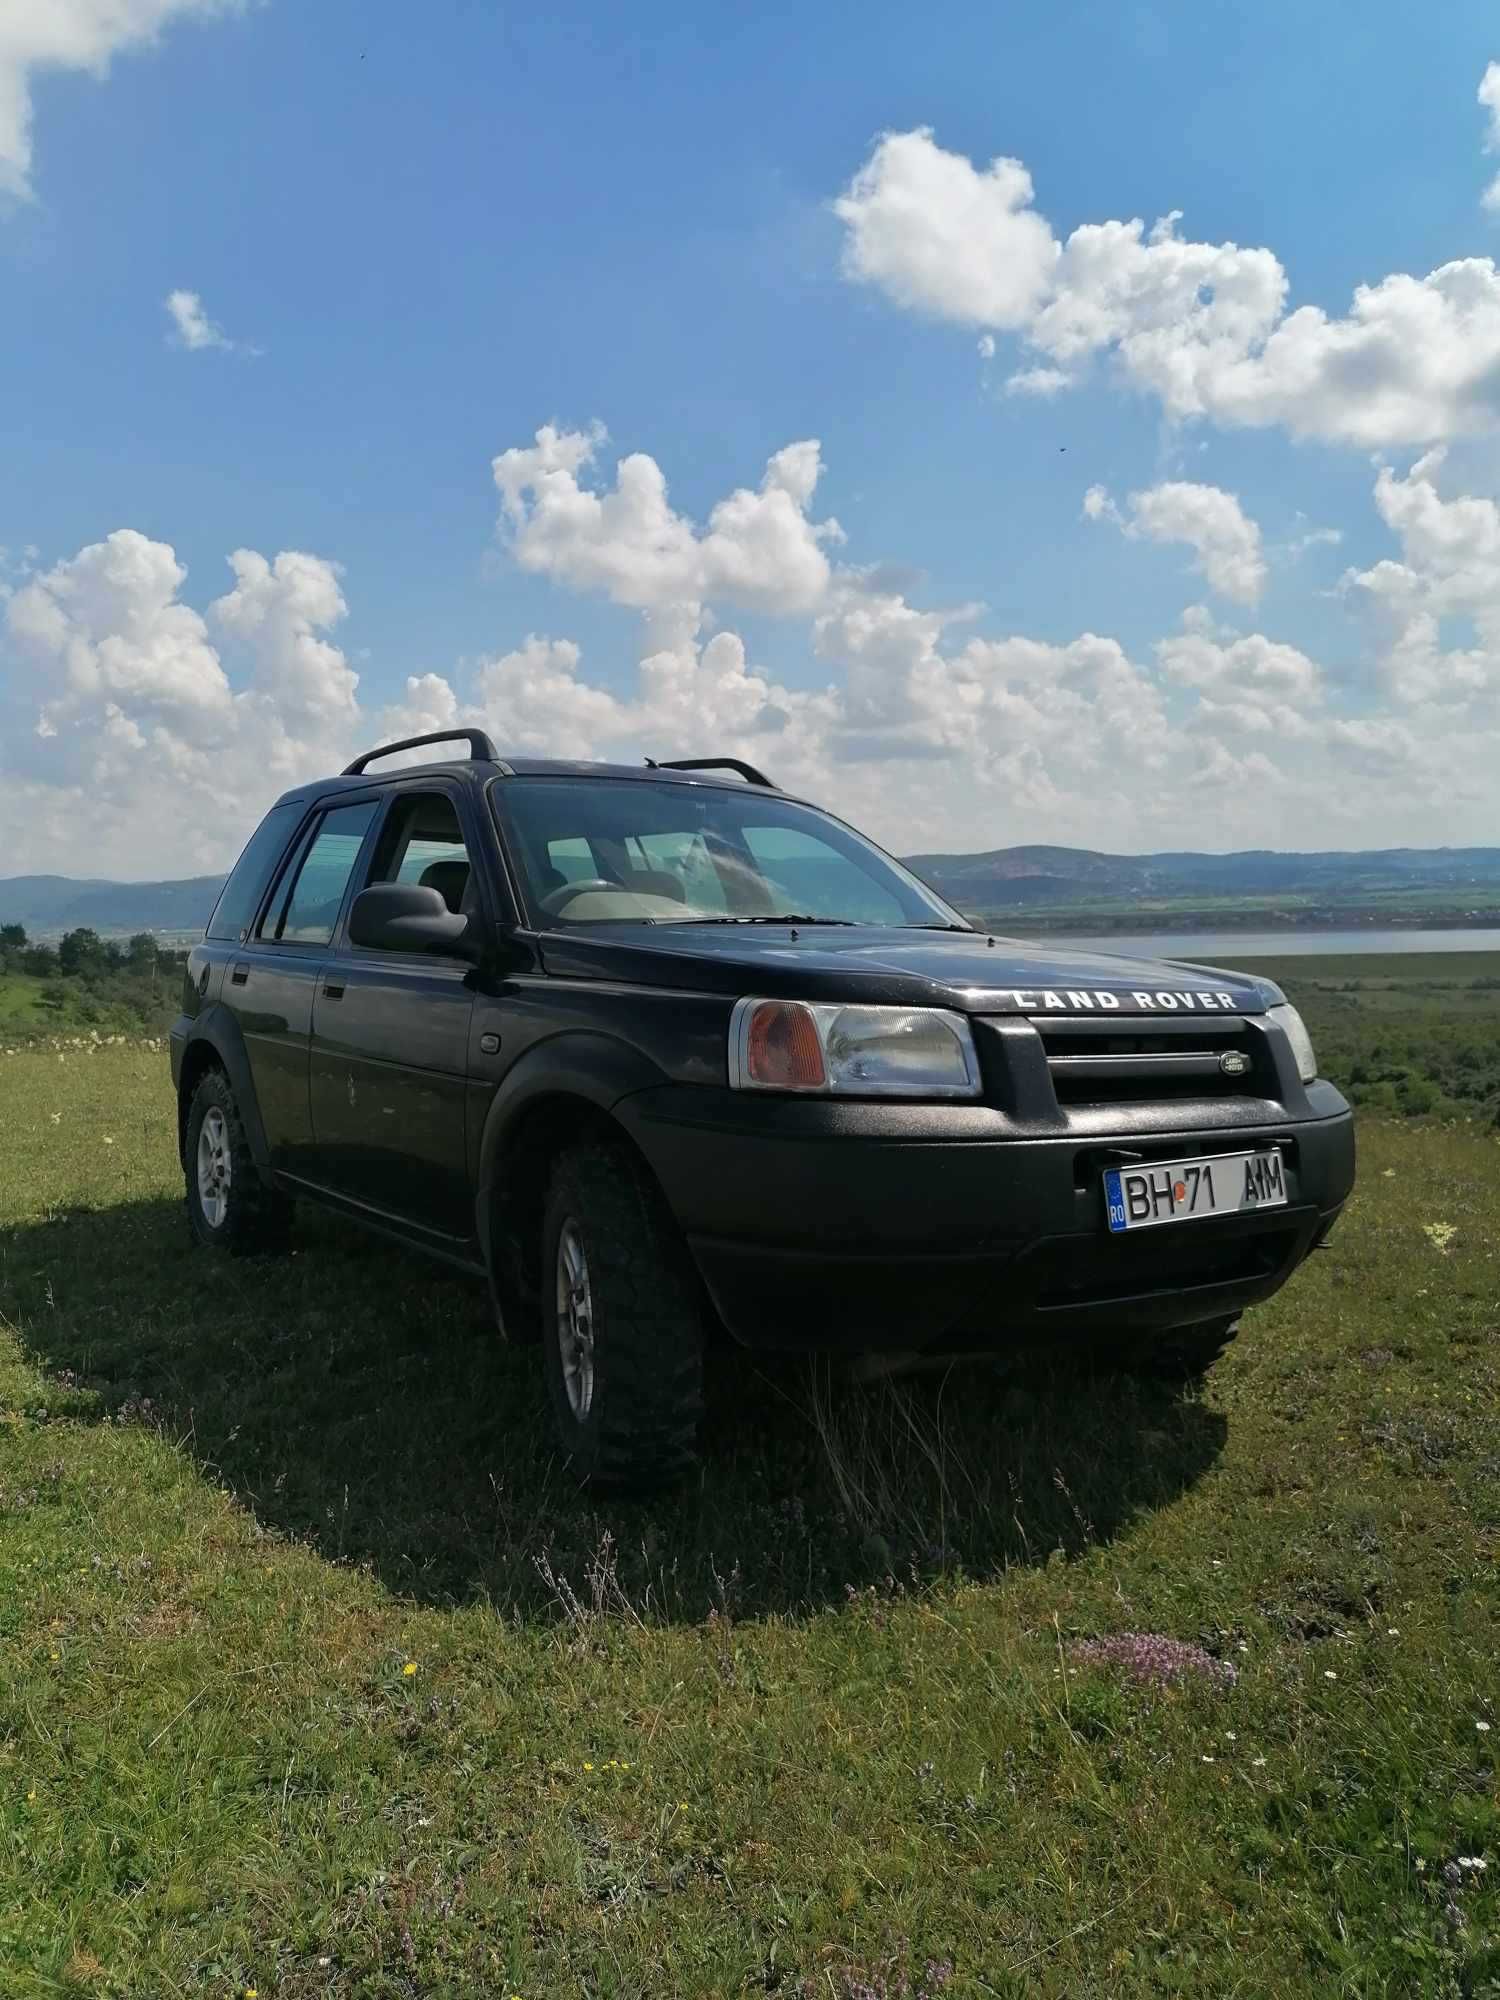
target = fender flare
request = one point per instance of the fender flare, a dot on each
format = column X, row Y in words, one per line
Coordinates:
column 597, row 1070
column 218, row 1029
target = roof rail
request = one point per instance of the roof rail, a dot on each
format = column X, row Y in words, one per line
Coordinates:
column 479, row 744
column 747, row 771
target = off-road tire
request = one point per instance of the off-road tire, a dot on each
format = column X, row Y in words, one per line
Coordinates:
column 640, row 1429
column 1183, row 1353
column 256, row 1218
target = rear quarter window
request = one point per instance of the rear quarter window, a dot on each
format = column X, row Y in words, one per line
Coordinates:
column 239, row 899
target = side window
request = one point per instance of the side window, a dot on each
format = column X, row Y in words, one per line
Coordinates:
column 239, row 899
column 307, row 908
column 815, row 879
column 422, row 842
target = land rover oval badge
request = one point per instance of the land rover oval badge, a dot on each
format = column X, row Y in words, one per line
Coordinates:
column 1234, row 1062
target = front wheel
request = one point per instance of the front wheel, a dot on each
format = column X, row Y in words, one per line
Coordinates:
column 229, row 1206
column 622, row 1323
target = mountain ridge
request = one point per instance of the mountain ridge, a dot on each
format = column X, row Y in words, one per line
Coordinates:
column 1030, row 876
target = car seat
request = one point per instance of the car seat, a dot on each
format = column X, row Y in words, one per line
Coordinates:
column 450, row 879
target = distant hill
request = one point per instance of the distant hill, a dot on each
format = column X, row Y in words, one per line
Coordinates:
column 1017, row 879
column 48, row 904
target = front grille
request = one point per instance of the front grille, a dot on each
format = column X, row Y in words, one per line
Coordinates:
column 1104, row 1062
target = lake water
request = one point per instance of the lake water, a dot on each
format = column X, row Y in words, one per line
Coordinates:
column 1209, row 946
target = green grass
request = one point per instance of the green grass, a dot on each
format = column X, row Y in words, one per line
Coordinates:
column 20, row 1003
column 814, row 1721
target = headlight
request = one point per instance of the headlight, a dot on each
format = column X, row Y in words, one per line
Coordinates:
column 831, row 1050
column 1292, row 1026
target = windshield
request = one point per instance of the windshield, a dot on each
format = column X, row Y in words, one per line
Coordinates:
column 622, row 850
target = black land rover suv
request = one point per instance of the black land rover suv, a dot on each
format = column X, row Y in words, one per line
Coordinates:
column 651, row 1048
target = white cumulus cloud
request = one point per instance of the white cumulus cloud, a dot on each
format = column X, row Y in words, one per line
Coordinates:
column 41, row 35
column 1203, row 326
column 156, row 744
column 759, row 549
column 1209, row 520
column 1489, row 97
column 941, row 235
column 1448, row 570
column 191, row 326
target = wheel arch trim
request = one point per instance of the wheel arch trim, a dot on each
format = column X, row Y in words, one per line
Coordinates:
column 216, row 1041
column 595, row 1072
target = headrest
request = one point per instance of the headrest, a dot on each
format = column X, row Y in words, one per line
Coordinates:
column 450, row 879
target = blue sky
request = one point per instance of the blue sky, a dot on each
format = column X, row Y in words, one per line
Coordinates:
column 425, row 235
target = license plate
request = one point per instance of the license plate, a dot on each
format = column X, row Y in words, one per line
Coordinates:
column 1144, row 1197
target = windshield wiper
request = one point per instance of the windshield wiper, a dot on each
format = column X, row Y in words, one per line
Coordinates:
column 967, row 930
column 846, row 923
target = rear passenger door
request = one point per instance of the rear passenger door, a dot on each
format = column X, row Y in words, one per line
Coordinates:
column 391, row 1038
column 270, row 979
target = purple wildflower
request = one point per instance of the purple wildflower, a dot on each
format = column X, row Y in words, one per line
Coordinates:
column 1155, row 1659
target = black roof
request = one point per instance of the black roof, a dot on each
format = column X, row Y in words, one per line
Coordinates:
column 479, row 771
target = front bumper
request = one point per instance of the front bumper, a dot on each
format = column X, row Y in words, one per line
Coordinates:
column 926, row 1228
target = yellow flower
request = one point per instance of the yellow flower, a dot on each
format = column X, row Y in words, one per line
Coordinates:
column 31, row 1796
column 588, row 1766
column 410, row 1667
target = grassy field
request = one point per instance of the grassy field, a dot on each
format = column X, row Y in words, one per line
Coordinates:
column 32, row 1009
column 1412, row 1034
column 317, row 1679
column 1475, row 904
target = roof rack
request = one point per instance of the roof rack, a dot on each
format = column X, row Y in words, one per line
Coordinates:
column 479, row 744
column 747, row 771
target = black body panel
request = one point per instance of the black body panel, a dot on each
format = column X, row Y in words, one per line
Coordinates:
column 389, row 1084
column 269, row 990
column 966, row 971
column 937, row 1226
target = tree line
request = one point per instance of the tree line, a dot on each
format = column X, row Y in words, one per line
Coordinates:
column 88, row 981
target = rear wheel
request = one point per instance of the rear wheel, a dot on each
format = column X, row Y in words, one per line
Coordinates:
column 622, row 1323
column 229, row 1206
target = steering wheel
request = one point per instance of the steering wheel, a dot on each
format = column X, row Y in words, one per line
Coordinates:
column 553, row 902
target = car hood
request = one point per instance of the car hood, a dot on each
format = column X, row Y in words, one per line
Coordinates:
column 965, row 970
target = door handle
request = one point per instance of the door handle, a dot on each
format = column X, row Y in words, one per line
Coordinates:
column 333, row 989
column 240, row 974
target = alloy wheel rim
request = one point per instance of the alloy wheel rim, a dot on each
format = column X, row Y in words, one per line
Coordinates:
column 213, row 1167
column 575, row 1320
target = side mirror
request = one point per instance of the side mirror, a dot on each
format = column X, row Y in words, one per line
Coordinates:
column 403, row 916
